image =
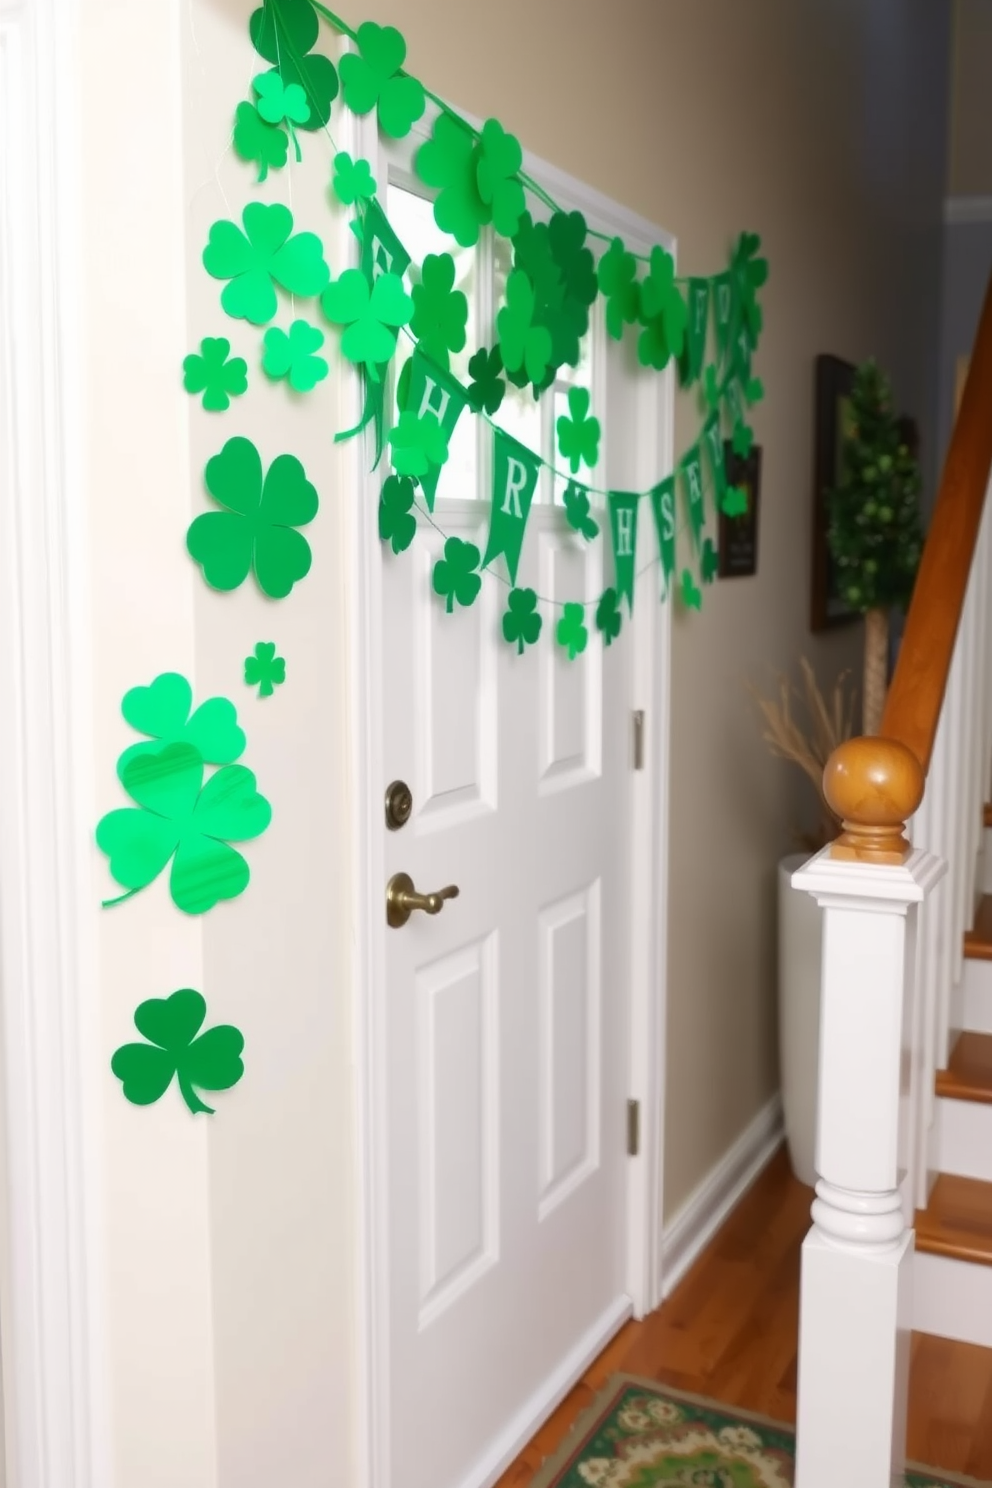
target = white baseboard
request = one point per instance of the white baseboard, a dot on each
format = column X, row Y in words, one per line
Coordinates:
column 695, row 1224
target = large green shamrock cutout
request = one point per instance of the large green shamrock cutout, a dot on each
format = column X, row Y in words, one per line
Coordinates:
column 257, row 528
column 524, row 346
column 293, row 356
column 578, row 435
column 691, row 594
column 562, row 271
column 173, row 1051
column 418, row 441
column 577, row 511
column 522, row 622
column 177, row 817
column 397, row 523
column 571, row 633
column 499, row 159
column 608, row 616
column 750, row 272
column 709, row 562
column 454, row 574
column 567, row 232
column 663, row 314
column 734, row 503
column 284, row 34
column 162, row 711
column 485, row 391
column 266, row 251
column 440, row 312
column 617, row 274
column 265, row 670
column 353, row 179
column 373, row 316
column 372, row 76
column 743, row 439
column 213, row 375
column 449, row 160
column 255, row 140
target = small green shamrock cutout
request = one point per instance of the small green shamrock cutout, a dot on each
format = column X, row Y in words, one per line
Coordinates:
column 485, row 391
column 213, row 375
column 397, row 522
column 176, row 817
column 418, row 441
column 608, row 616
column 567, row 232
column 292, row 355
column 499, row 159
column 283, row 35
column 734, row 503
column 578, row 436
column 454, row 574
column 663, row 313
column 173, row 1051
column 265, row 670
column 617, row 274
column 571, row 632
column 440, row 312
column 743, row 439
column 373, row 316
column 372, row 77
column 522, row 622
column 449, row 160
column 577, row 511
column 524, row 346
column 257, row 528
column 162, row 711
column 257, row 141
column 352, row 180
column 691, row 595
column 279, row 102
column 266, row 251
column 754, row 390
column 709, row 562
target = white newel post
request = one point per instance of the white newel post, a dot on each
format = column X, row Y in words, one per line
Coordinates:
column 855, row 1309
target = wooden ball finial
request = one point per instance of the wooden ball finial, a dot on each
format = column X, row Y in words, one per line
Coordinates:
column 874, row 785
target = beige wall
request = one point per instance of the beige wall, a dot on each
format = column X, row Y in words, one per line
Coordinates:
column 970, row 162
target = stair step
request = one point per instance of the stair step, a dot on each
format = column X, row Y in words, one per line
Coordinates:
column 957, row 1222
column 968, row 1075
column 978, row 940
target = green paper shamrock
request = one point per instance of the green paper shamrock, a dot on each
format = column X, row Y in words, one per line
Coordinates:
column 265, row 670
column 485, row 391
column 617, row 274
column 211, row 374
column 521, row 623
column 162, row 711
column 663, row 313
column 372, row 76
column 418, row 441
column 440, row 312
column 562, row 272
column 734, row 503
column 454, row 575
column 524, row 346
column 577, row 511
column 608, row 616
column 750, row 273
column 283, row 35
column 373, row 316
column 743, row 439
column 571, row 632
column 257, row 528
column 712, row 390
column 500, row 157
column 177, row 817
column 173, row 1051
column 397, row 522
column 710, row 561
column 352, row 180
column 691, row 595
column 255, row 140
column 578, row 436
column 292, row 356
column 279, row 102
column 449, row 161
column 264, row 252
column 567, row 232
column 754, row 390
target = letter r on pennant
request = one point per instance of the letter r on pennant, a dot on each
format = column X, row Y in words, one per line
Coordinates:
column 516, row 481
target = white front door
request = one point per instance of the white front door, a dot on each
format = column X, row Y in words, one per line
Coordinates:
column 504, row 1025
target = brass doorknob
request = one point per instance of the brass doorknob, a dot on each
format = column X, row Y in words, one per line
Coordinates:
column 402, row 899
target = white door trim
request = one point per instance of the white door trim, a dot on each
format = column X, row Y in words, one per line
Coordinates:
column 650, row 633
column 48, row 1305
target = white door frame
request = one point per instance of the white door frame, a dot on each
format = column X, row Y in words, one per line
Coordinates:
column 650, row 634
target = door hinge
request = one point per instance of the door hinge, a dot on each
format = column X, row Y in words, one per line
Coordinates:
column 638, row 717
column 633, row 1128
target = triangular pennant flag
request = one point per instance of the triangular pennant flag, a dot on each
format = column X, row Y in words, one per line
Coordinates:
column 713, row 439
column 382, row 252
column 663, row 506
column 515, row 473
column 694, row 348
column 432, row 390
column 623, row 529
column 723, row 310
column 692, row 483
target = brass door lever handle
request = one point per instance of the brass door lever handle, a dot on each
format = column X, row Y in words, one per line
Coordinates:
column 402, row 899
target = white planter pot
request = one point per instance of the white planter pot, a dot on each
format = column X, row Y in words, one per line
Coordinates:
column 800, row 942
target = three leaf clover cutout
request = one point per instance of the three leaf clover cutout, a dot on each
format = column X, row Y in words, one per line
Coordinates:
column 173, row 1051
column 571, row 633
column 578, row 433
column 371, row 314
column 372, row 78
column 397, row 522
column 455, row 577
column 293, row 355
column 522, row 621
column 440, row 312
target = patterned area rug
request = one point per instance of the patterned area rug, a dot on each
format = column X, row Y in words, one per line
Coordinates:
column 642, row 1435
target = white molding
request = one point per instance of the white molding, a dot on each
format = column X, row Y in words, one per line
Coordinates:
column 959, row 210
column 964, row 1138
column 952, row 1298
column 689, row 1232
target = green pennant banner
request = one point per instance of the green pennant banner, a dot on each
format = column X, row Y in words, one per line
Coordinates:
column 623, row 529
column 694, row 349
column 713, row 439
column 382, row 252
column 723, row 310
column 663, row 506
column 735, row 404
column 742, row 352
column 515, row 474
column 432, row 390
column 692, row 483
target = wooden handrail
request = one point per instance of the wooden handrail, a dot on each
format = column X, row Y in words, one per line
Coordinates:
column 875, row 784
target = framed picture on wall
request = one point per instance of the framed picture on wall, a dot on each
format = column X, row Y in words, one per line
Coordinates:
column 739, row 534
column 834, row 379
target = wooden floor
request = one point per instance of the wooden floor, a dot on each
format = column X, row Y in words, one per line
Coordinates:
column 729, row 1332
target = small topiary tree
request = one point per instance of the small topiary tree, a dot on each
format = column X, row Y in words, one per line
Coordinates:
column 874, row 534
